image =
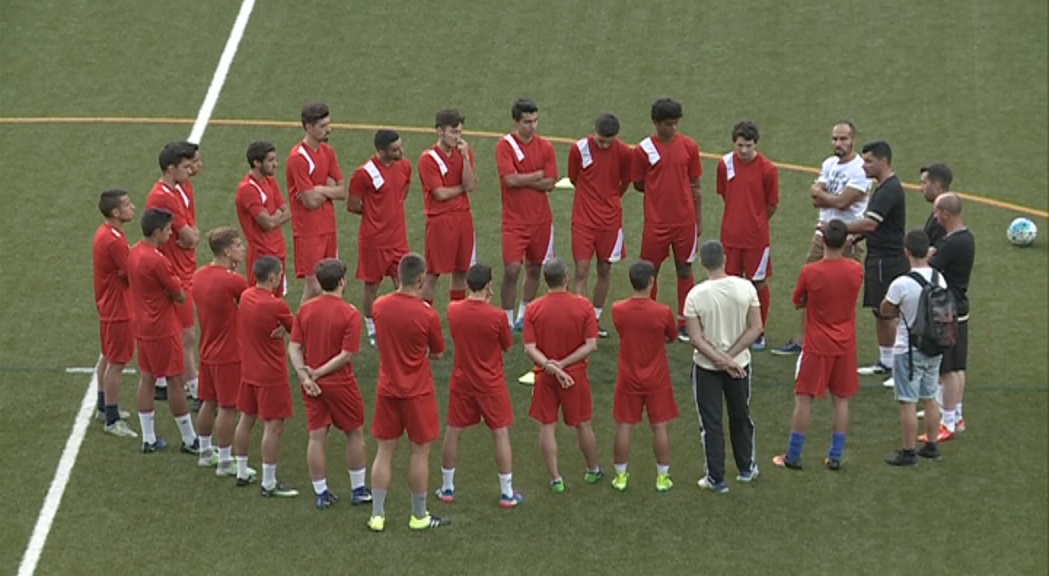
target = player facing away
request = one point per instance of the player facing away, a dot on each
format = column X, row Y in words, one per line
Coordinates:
column 749, row 185
column 560, row 332
column 262, row 322
column 827, row 290
column 314, row 181
column 377, row 192
column 217, row 287
column 840, row 193
column 262, row 211
column 447, row 174
column 666, row 169
column 174, row 194
column 643, row 379
column 478, row 387
column 109, row 256
column 409, row 336
column 599, row 168
column 324, row 338
column 527, row 169
column 155, row 289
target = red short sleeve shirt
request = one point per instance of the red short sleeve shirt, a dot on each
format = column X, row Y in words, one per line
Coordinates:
column 667, row 171
column 306, row 169
column 382, row 190
column 644, row 328
column 481, row 335
column 559, row 323
column 216, row 293
column 748, row 189
column 524, row 206
column 829, row 290
column 110, row 252
column 152, row 282
column 407, row 331
column 263, row 359
column 178, row 201
column 440, row 170
column 598, row 175
column 325, row 327
column 254, row 198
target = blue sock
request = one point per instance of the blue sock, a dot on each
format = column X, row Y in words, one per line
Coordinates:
column 797, row 441
column 112, row 413
column 837, row 444
column 101, row 404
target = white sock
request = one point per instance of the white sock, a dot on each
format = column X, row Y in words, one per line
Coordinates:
column 225, row 454
column 948, row 420
column 357, row 478
column 320, row 486
column 447, row 479
column 939, row 396
column 885, row 355
column 597, row 311
column 205, row 443
column 242, row 466
column 369, row 323
column 663, row 469
column 185, row 427
column 506, row 484
column 269, row 476
column 521, row 310
column 620, row 468
column 161, row 382
column 191, row 386
column 958, row 412
column 145, row 421
column 510, row 316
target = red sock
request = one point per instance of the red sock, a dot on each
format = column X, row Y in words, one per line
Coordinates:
column 764, row 296
column 454, row 295
column 683, row 286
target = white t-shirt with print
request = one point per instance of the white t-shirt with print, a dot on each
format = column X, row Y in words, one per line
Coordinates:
column 838, row 176
column 905, row 293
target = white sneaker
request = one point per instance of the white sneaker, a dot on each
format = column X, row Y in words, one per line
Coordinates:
column 100, row 415
column 890, row 383
column 121, row 429
column 209, row 458
column 921, row 414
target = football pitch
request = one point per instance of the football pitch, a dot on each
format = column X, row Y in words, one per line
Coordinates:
column 92, row 90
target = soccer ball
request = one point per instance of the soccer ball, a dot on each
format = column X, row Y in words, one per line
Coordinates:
column 1022, row 232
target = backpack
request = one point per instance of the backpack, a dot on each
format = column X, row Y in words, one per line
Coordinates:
column 935, row 325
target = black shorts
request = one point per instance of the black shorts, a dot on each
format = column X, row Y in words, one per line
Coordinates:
column 878, row 273
column 956, row 358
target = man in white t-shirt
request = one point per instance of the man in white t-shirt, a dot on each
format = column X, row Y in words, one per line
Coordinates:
column 840, row 193
column 723, row 318
column 914, row 374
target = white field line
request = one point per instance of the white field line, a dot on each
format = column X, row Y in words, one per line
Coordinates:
column 91, row 370
column 219, row 79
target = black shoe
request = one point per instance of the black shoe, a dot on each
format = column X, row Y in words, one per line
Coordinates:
column 193, row 448
column 832, row 464
column 195, row 404
column 601, row 332
column 931, row 451
column 903, row 458
column 149, row 448
column 160, row 394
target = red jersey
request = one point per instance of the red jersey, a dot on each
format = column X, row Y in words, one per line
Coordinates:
column 382, row 190
column 525, row 206
column 748, row 189
column 152, row 281
column 326, row 326
column 599, row 175
column 110, row 253
column 179, row 201
column 407, row 331
column 305, row 170
column 829, row 289
column 644, row 328
column 440, row 170
column 216, row 292
column 481, row 334
column 667, row 171
column 254, row 198
column 263, row 359
column 558, row 323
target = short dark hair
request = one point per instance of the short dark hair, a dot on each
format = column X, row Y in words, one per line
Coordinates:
column 314, row 112
column 555, row 272
column 265, row 267
column 384, row 138
column 917, row 243
column 880, row 149
column 258, row 150
column 478, row 276
column 410, row 269
column 607, row 125
column 329, row 272
column 523, row 106
column 641, row 273
column 940, row 173
column 221, row 239
column 193, row 146
column 154, row 219
column 852, row 127
column 835, row 233
column 111, row 200
column 666, row 109
column 745, row 129
column 449, row 118
column 173, row 153
column 711, row 255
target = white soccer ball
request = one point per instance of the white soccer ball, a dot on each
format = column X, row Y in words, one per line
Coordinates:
column 1022, row 232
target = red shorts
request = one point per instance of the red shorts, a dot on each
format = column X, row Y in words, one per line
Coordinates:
column 418, row 415
column 754, row 264
column 465, row 410
column 340, row 405
column 185, row 310
column 312, row 249
column 816, row 374
column 219, row 383
column 374, row 264
column 609, row 245
column 450, row 245
column 660, row 405
column 533, row 244
column 548, row 396
column 282, row 289
column 265, row 402
column 657, row 242
column 161, row 358
column 118, row 343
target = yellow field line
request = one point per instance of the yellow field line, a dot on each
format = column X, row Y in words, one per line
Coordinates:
column 418, row 130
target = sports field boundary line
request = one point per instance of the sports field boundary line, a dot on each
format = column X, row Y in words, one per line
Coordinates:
column 147, row 120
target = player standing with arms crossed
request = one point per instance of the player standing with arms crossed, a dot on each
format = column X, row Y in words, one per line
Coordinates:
column 262, row 211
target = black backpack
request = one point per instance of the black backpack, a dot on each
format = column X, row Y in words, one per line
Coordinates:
column 935, row 325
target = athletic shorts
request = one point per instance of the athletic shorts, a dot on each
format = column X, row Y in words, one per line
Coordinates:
column 219, row 383
column 184, row 310
column 282, row 288
column 339, row 405
column 608, row 245
column 465, row 410
column 161, row 358
column 374, row 264
column 916, row 378
column 575, row 403
column 754, row 264
column 656, row 243
column 659, row 403
column 854, row 251
column 416, row 415
column 532, row 244
column 312, row 249
column 265, row 402
column 956, row 359
column 878, row 273
column 450, row 245
column 816, row 373
column 118, row 343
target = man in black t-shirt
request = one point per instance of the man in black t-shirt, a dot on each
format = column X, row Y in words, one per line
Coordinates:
column 935, row 180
